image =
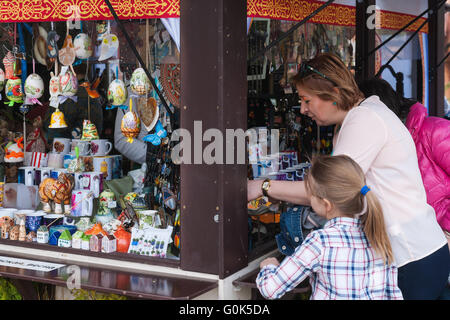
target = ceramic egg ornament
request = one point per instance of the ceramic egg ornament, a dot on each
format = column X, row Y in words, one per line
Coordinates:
column 34, row 88
column 68, row 83
column 83, row 46
column 13, row 90
column 131, row 124
column 139, row 82
column 117, row 93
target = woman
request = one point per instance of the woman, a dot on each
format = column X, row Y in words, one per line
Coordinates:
column 373, row 136
column 431, row 136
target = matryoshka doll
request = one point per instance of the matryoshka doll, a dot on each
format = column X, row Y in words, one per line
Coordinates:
column 131, row 124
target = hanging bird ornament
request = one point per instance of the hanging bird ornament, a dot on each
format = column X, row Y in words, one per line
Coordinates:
column 131, row 124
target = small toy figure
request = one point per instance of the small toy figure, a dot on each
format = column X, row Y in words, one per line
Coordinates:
column 59, row 190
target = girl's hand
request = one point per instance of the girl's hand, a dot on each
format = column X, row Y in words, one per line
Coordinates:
column 268, row 261
column 254, row 189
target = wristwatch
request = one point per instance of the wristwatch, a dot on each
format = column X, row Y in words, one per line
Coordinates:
column 265, row 187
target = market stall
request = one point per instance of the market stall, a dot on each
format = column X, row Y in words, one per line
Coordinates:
column 93, row 92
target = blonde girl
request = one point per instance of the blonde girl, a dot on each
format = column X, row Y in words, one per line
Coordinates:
column 351, row 257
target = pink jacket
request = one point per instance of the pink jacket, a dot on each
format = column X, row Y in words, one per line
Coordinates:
column 432, row 138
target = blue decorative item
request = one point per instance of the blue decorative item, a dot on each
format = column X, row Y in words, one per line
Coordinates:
column 54, row 237
column 155, row 138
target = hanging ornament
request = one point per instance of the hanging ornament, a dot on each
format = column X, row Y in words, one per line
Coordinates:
column 57, row 120
column 52, row 44
column 34, row 88
column 40, row 45
column 8, row 62
column 117, row 93
column 2, row 81
column 68, row 83
column 83, row 46
column 67, row 53
column 148, row 112
column 131, row 124
column 109, row 44
column 139, row 82
column 13, row 91
column 156, row 138
column 89, row 131
column 91, row 89
column 54, row 89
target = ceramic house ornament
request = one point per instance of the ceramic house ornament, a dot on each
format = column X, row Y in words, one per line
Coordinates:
column 83, row 46
column 139, row 82
column 131, row 124
column 42, row 234
column 65, row 239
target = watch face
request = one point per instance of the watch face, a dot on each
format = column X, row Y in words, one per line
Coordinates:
column 265, row 185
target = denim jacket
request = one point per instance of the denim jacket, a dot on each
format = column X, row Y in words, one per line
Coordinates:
column 294, row 222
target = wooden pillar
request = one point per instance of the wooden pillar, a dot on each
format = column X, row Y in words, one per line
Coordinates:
column 436, row 47
column 214, row 232
column 365, row 41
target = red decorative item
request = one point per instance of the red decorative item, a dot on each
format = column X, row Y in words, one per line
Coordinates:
column 171, row 82
column 123, row 239
column 96, row 229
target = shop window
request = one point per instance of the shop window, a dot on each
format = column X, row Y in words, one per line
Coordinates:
column 82, row 124
column 273, row 104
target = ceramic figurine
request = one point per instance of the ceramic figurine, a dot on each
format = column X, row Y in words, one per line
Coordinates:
column 95, row 243
column 123, row 238
column 57, row 120
column 59, row 191
column 54, row 89
column 31, row 236
column 108, row 47
column 67, row 53
column 109, row 243
column 96, row 229
column 139, row 82
column 6, row 228
column 89, row 131
column 68, row 83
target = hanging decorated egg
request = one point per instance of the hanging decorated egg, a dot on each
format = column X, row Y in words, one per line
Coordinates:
column 139, row 82
column 117, row 93
column 83, row 46
column 13, row 89
column 68, row 83
column 2, row 79
column 131, row 124
column 54, row 87
column 34, row 86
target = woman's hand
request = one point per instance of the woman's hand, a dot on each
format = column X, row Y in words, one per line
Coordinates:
column 266, row 262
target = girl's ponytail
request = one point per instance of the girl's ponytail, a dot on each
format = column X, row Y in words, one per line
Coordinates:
column 374, row 227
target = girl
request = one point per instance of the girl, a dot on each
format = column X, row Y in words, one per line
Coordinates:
column 351, row 257
column 373, row 136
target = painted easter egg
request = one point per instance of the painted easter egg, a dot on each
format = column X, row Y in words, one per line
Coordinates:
column 139, row 82
column 69, row 84
column 13, row 89
column 83, row 46
column 130, row 126
column 34, row 86
column 117, row 93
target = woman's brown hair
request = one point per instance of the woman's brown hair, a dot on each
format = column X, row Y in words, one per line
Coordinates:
column 340, row 179
column 327, row 72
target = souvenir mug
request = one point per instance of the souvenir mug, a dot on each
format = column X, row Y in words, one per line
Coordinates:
column 91, row 181
column 54, row 173
column 41, row 174
column 26, row 175
column 61, row 145
column 84, row 147
column 55, row 160
column 101, row 147
column 34, row 220
column 67, row 159
column 103, row 165
column 82, row 203
column 53, row 219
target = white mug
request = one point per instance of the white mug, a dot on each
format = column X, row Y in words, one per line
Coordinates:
column 61, row 145
column 104, row 165
column 56, row 160
column 26, row 175
column 101, row 147
column 84, row 147
column 91, row 181
column 81, row 203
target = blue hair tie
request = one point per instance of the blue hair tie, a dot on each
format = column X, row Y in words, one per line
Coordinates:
column 364, row 190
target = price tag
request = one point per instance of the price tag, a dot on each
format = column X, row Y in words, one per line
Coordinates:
column 112, row 204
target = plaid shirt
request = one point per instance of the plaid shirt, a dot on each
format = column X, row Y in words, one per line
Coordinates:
column 340, row 263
